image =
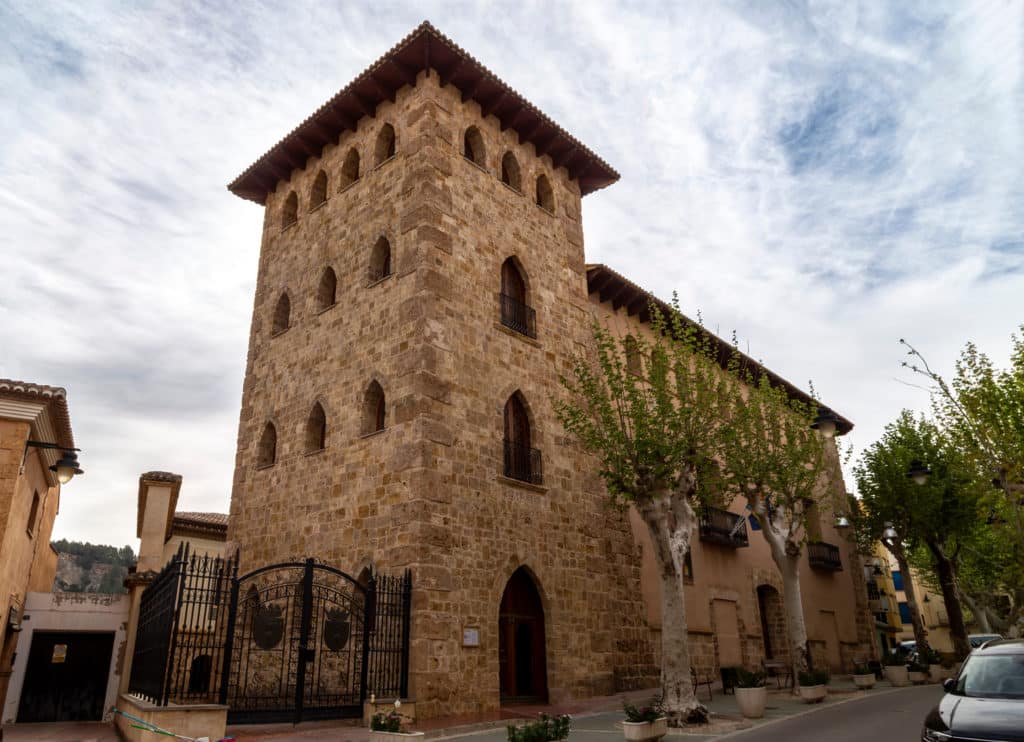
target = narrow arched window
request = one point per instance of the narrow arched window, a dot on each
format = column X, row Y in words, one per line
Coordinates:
column 290, row 211
column 522, row 461
column 316, row 429
column 516, row 313
column 634, row 364
column 319, row 193
column 374, row 409
column 473, row 146
column 385, row 147
column 510, row 174
column 350, row 169
column 380, row 260
column 545, row 196
column 266, row 453
column 327, row 291
column 33, row 514
column 282, row 315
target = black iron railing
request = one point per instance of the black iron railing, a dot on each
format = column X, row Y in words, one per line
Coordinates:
column 719, row 526
column 388, row 665
column 518, row 316
column 824, row 556
column 523, row 463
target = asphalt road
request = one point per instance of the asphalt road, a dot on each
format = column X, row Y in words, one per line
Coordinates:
column 881, row 717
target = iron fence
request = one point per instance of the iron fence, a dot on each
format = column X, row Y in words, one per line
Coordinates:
column 518, row 316
column 719, row 526
column 523, row 463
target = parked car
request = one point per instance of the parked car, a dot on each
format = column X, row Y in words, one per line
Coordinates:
column 985, row 701
column 977, row 640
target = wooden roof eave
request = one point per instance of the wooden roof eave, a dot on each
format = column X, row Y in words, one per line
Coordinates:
column 424, row 49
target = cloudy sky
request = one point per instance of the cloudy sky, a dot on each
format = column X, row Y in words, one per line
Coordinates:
column 822, row 177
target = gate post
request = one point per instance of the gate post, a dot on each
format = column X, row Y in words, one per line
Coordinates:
column 406, row 618
column 304, row 650
column 369, row 617
column 229, row 639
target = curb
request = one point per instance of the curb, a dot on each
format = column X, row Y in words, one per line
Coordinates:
column 817, row 708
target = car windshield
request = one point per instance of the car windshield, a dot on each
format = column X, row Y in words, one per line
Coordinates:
column 992, row 676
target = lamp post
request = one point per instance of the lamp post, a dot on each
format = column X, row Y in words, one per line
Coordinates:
column 918, row 473
column 67, row 467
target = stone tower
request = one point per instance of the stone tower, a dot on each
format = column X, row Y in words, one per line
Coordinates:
column 421, row 286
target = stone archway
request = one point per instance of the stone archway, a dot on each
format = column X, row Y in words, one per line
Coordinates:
column 773, row 623
column 522, row 654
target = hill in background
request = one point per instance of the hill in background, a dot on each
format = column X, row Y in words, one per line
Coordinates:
column 91, row 568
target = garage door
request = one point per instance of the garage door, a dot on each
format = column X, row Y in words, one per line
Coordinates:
column 66, row 677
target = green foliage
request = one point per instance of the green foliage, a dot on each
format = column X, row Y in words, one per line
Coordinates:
column 813, row 677
column 748, row 679
column 545, row 729
column 919, row 666
column 862, row 669
column 893, row 660
column 643, row 713
column 389, row 722
column 89, row 554
column 653, row 425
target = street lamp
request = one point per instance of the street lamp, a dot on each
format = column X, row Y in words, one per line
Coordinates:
column 918, row 472
column 67, row 467
column 825, row 423
column 889, row 534
column 842, row 521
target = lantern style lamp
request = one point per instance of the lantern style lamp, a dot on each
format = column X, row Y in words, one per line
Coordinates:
column 918, row 472
column 825, row 423
column 889, row 534
column 67, row 467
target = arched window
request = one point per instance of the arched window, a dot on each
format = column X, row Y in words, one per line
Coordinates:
column 316, row 429
column 290, row 212
column 385, row 147
column 33, row 513
column 545, row 196
column 634, row 365
column 522, row 461
column 266, row 454
column 380, row 260
column 199, row 674
column 373, row 409
column 319, row 193
column 327, row 292
column 510, row 174
column 516, row 313
column 282, row 315
column 473, row 146
column 350, row 169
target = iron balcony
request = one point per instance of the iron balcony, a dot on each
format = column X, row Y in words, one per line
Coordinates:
column 719, row 526
column 824, row 556
column 518, row 316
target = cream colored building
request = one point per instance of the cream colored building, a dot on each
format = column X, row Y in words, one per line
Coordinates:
column 421, row 285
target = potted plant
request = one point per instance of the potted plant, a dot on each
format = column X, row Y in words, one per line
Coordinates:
column 937, row 671
column 387, row 727
column 895, row 671
column 545, row 729
column 863, row 678
column 644, row 723
column 813, row 685
column 751, row 695
column 918, row 672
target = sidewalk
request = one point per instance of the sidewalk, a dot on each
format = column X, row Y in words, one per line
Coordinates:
column 594, row 719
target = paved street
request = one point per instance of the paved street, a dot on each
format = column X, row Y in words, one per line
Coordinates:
column 882, row 717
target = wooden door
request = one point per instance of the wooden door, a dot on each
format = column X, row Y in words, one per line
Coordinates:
column 521, row 642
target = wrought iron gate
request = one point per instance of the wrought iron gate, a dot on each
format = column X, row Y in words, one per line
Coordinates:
column 286, row 642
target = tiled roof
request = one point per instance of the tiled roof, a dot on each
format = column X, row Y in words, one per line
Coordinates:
column 54, row 396
column 424, row 48
column 611, row 286
column 212, row 519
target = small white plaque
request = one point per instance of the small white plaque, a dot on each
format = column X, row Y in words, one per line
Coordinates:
column 471, row 637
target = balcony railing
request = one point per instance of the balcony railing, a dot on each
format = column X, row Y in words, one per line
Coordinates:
column 722, row 527
column 524, row 464
column 825, row 556
column 518, row 316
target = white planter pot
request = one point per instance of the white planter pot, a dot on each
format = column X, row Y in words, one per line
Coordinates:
column 395, row 736
column 641, row 731
column 897, row 675
column 813, row 693
column 752, row 701
column 918, row 678
column 864, row 681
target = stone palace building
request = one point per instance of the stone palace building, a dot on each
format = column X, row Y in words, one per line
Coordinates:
column 422, row 283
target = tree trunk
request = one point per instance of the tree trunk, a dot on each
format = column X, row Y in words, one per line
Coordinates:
column 980, row 613
column 920, row 632
column 669, row 536
column 946, row 571
column 789, row 567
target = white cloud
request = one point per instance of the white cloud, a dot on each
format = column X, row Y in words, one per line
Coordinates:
column 823, row 179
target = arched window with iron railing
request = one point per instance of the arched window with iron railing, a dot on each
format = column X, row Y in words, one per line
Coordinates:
column 522, row 461
column 516, row 312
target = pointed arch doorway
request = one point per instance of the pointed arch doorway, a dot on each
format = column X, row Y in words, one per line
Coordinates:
column 522, row 653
